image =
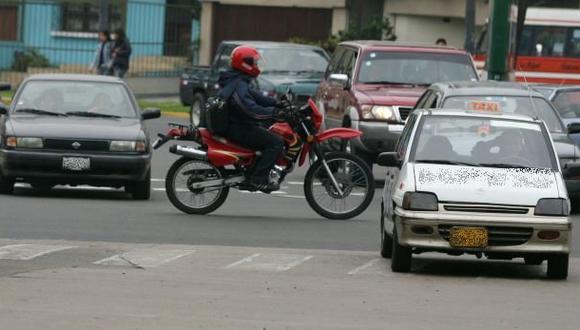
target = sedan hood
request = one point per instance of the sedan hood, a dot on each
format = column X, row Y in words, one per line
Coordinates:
column 74, row 127
column 391, row 94
column 484, row 185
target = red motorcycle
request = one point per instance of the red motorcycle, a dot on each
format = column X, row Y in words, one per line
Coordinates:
column 337, row 185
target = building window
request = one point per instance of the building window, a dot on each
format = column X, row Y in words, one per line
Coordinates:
column 8, row 23
column 84, row 17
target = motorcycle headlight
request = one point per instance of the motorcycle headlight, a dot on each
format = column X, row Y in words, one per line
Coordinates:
column 128, row 146
column 379, row 112
column 420, row 201
column 552, row 207
column 24, row 142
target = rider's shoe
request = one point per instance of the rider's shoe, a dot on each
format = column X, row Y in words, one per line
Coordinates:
column 269, row 187
column 265, row 187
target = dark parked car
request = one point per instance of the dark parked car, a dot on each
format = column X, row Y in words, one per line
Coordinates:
column 507, row 97
column 284, row 65
column 75, row 129
column 373, row 85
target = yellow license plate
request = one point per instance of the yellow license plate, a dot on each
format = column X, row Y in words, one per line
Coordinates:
column 468, row 237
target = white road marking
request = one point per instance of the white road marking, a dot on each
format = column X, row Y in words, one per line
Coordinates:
column 29, row 251
column 269, row 262
column 296, row 183
column 292, row 196
column 157, row 180
column 145, row 257
column 364, row 266
column 158, row 189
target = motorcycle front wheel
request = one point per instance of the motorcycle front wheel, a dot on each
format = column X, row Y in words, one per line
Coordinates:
column 352, row 176
column 178, row 185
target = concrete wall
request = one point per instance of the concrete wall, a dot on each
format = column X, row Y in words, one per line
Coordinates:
column 429, row 29
column 436, row 8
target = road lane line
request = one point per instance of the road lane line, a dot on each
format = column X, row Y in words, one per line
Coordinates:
column 244, row 260
column 29, row 251
column 158, row 180
column 296, row 183
column 364, row 266
column 145, row 257
column 269, row 262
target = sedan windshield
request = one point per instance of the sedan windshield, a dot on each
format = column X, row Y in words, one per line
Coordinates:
column 414, row 68
column 510, row 105
column 75, row 98
column 472, row 141
column 291, row 60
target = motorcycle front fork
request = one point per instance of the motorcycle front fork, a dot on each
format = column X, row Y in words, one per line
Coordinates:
column 320, row 155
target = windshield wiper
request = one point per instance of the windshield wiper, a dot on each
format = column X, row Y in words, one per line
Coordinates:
column 503, row 165
column 91, row 114
column 41, row 112
column 446, row 162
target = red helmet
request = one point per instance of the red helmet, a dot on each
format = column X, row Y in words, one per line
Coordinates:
column 245, row 59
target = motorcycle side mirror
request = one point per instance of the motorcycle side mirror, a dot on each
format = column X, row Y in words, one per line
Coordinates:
column 388, row 159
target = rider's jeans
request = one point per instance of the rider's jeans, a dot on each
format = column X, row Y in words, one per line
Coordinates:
column 257, row 138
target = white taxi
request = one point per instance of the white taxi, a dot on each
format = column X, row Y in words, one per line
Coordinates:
column 482, row 183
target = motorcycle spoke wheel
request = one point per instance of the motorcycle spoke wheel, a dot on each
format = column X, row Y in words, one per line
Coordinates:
column 180, row 178
column 354, row 179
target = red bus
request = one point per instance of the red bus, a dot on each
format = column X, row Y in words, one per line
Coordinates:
column 549, row 49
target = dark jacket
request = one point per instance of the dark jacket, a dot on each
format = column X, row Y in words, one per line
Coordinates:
column 247, row 106
column 123, row 50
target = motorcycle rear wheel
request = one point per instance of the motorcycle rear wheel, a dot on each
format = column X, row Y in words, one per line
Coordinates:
column 354, row 178
column 182, row 174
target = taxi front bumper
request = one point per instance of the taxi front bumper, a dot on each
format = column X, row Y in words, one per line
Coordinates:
column 514, row 235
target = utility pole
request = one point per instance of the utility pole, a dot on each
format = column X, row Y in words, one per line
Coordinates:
column 103, row 15
column 499, row 40
column 469, row 25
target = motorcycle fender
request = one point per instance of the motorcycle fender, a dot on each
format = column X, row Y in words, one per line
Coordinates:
column 341, row 133
column 305, row 152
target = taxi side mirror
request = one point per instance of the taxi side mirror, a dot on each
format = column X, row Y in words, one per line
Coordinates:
column 389, row 159
column 574, row 128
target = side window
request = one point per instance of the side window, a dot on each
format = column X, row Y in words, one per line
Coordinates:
column 404, row 139
column 336, row 57
column 432, row 101
column 222, row 62
column 347, row 63
column 421, row 102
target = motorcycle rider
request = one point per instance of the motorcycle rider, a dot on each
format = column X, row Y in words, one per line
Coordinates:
column 248, row 108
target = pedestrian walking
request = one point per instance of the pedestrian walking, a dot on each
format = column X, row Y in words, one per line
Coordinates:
column 121, row 52
column 102, row 61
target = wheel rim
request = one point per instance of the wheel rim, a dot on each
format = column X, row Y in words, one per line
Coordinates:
column 195, row 113
column 352, row 180
column 189, row 173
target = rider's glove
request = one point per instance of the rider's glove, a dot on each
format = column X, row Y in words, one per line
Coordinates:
column 283, row 104
column 284, row 114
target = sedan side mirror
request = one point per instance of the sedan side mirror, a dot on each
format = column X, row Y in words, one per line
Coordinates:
column 574, row 128
column 3, row 109
column 340, row 79
column 389, row 159
column 150, row 113
column 5, row 86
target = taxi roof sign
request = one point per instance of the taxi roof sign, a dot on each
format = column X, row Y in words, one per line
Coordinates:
column 484, row 106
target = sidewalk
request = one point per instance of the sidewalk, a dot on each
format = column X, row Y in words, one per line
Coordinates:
column 154, row 87
column 95, row 285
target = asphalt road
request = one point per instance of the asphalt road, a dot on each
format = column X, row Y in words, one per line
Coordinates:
column 283, row 220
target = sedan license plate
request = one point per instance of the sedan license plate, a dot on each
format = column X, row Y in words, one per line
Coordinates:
column 76, row 164
column 468, row 237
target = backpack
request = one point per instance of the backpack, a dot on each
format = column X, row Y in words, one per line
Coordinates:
column 217, row 119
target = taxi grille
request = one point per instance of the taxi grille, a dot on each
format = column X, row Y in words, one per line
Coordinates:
column 497, row 235
column 486, row 209
column 76, row 145
column 404, row 112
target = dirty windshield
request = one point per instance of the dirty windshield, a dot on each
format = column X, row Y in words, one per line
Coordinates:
column 476, row 141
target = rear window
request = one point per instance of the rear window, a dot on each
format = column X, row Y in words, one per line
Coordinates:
column 414, row 68
column 568, row 104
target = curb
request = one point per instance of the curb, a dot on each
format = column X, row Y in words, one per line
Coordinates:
column 183, row 115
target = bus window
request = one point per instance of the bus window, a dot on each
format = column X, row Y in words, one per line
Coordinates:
column 574, row 43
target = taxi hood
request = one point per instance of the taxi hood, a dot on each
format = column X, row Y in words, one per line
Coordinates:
column 485, row 185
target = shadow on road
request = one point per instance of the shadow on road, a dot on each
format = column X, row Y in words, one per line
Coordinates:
column 72, row 193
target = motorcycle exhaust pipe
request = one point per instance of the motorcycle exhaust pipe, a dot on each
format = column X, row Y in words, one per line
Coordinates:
column 188, row 152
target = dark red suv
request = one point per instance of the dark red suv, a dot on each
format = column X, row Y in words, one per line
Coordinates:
column 373, row 85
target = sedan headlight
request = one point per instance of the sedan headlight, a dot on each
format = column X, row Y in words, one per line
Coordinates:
column 552, row 207
column 420, row 201
column 24, row 142
column 379, row 112
column 128, row 146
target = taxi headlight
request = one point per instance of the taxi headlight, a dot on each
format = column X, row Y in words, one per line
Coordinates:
column 128, row 146
column 24, row 142
column 552, row 207
column 420, row 201
column 379, row 112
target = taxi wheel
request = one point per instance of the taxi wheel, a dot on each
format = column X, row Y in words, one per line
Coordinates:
column 558, row 266
column 386, row 240
column 6, row 185
column 402, row 256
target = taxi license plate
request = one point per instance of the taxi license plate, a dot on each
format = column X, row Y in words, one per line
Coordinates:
column 468, row 237
column 76, row 164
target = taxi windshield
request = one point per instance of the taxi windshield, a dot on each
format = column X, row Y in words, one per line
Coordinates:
column 510, row 105
column 478, row 141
